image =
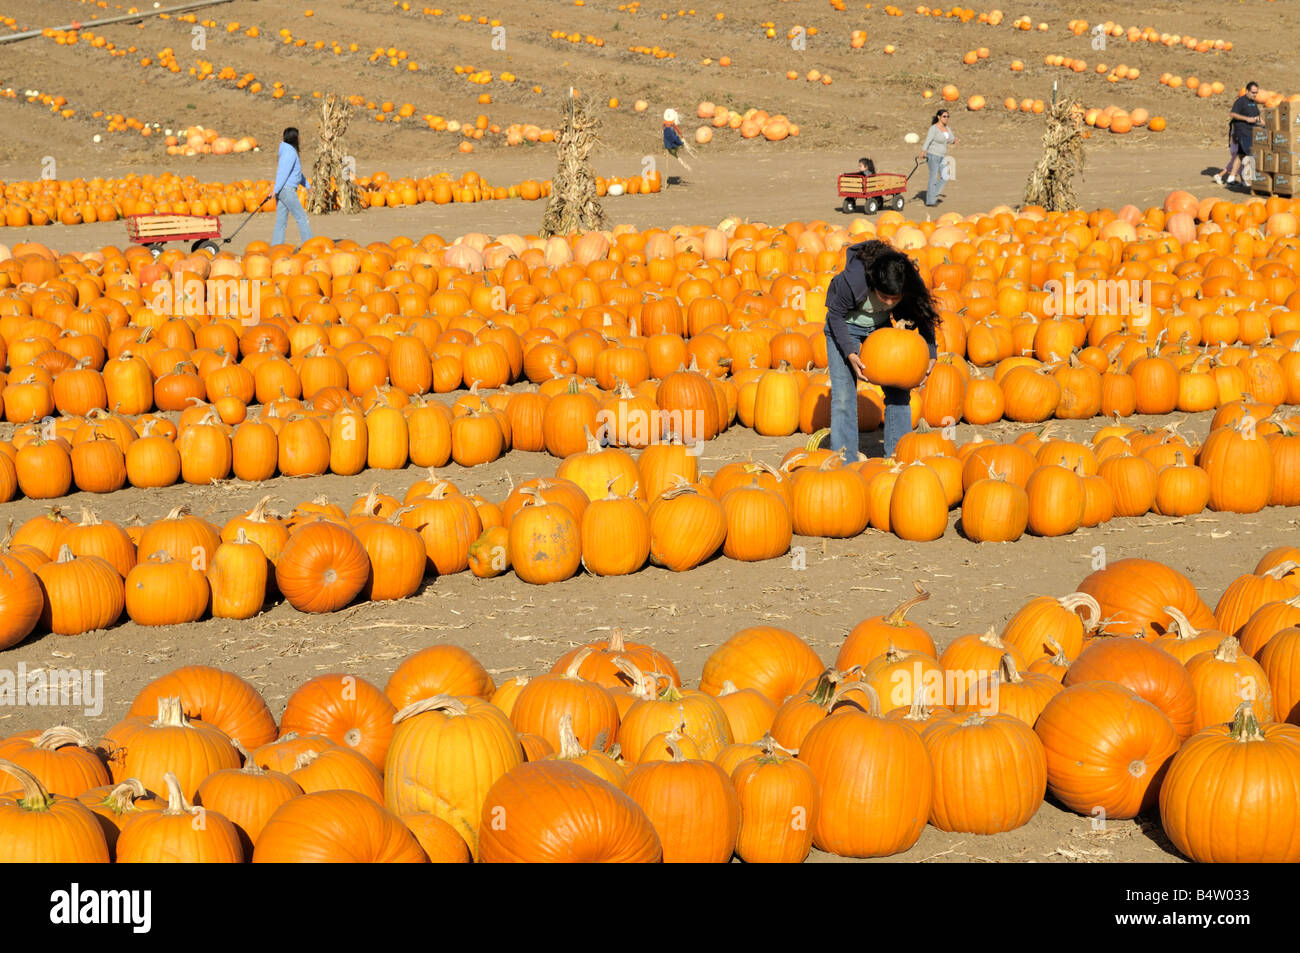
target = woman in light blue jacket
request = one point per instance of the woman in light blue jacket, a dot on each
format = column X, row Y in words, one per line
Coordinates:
column 288, row 176
column 934, row 152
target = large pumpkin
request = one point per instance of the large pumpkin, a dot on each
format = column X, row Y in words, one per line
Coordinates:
column 323, row 567
column 1133, row 594
column 558, row 812
column 1231, row 793
column 348, row 710
column 1107, row 749
column 341, row 827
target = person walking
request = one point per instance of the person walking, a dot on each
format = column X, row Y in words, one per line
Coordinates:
column 934, row 151
column 288, row 176
column 1241, row 120
column 878, row 285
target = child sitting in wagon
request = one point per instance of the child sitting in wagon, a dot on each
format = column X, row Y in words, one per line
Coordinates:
column 866, row 166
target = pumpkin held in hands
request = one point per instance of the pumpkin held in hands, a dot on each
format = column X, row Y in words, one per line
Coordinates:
column 895, row 357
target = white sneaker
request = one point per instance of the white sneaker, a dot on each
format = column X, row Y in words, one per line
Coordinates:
column 1218, row 178
column 1232, row 179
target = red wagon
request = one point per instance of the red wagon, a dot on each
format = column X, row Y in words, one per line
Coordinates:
column 154, row 230
column 882, row 190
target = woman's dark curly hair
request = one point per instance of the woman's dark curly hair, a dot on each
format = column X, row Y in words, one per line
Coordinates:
column 891, row 272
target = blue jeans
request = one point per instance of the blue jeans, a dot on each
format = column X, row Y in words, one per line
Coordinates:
column 844, row 402
column 936, row 178
column 286, row 201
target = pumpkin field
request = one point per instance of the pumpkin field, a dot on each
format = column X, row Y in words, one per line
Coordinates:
column 436, row 538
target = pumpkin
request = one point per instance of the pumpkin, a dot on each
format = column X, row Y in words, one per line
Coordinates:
column 918, row 506
column 438, row 670
column 800, row 712
column 758, row 524
column 559, row 812
column 598, row 664
column 1247, row 594
column 162, row 591
column 438, row 839
column 699, row 716
column 687, row 527
column 895, row 356
column 544, row 542
column 336, row 768
column 489, row 555
column 336, row 827
column 247, row 797
column 829, row 500
column 771, row 660
column 1240, row 468
column 188, row 539
column 547, row 698
column 397, row 558
column 990, row 773
column 994, row 510
column 445, row 755
column 749, row 712
column 21, row 601
column 151, row 748
column 448, row 523
column 1043, row 620
column 63, row 759
column 93, row 537
column 237, row 578
column 876, row 784
column 692, row 805
column 348, row 710
column 39, row 827
column 82, row 593
column 323, row 567
column 1154, row 675
column 1223, row 679
column 219, row 698
column 779, row 803
column 114, row 805
column 1107, row 749
column 1011, row 693
column 1133, row 592
column 1230, row 792
column 873, row 637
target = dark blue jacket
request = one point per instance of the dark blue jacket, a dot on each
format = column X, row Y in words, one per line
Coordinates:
column 846, row 293
column 671, row 139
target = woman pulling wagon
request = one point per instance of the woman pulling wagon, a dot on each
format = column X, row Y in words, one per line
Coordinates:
column 288, row 176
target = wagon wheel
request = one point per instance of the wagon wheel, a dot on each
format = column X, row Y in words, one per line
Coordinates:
column 205, row 244
column 873, row 206
column 155, row 249
column 897, row 203
column 848, row 206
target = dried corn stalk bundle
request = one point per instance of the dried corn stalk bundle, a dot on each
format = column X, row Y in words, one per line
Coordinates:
column 1051, row 184
column 334, row 188
column 573, row 206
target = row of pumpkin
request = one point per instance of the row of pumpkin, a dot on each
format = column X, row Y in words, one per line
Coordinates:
column 608, row 758
column 610, row 514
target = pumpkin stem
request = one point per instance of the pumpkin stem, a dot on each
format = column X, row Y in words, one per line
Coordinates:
column 65, row 554
column 1281, row 569
column 35, row 797
column 975, row 719
column 304, row 759
column 919, row 711
column 1182, row 626
column 897, row 615
column 1227, row 650
column 572, row 670
column 728, row 688
column 1245, row 726
column 815, row 440
column 1007, row 671
column 617, row 641
column 570, row 747
column 176, row 803
column 171, row 714
column 873, row 699
column 643, row 686
column 444, row 703
column 1074, row 600
column 54, row 738
column 120, row 799
column 823, row 692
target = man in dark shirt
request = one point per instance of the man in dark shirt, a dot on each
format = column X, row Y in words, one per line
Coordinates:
column 1244, row 116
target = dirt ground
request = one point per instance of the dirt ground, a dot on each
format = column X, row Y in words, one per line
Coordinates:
column 516, row 628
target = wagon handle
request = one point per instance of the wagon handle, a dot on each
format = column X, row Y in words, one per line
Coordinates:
column 227, row 241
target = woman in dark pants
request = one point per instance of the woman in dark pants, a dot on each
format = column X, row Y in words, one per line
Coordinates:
column 878, row 284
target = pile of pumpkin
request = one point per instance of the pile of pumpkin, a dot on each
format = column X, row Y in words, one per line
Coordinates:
column 197, row 140
column 73, row 201
column 603, row 511
column 751, row 124
column 608, row 758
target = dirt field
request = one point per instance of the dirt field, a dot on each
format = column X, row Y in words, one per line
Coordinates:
column 874, row 100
